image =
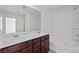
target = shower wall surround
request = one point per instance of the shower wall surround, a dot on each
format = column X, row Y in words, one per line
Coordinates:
column 75, row 24
column 60, row 24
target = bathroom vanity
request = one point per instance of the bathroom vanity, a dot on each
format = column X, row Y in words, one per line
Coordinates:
column 38, row 44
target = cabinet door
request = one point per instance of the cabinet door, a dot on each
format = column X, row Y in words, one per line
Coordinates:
column 37, row 48
column 44, row 46
column 1, row 51
column 27, row 50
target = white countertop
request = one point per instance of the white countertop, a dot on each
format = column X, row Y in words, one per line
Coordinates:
column 8, row 41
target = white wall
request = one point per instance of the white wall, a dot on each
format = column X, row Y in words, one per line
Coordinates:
column 46, row 21
column 63, row 27
column 59, row 24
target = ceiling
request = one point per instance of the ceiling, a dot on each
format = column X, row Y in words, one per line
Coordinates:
column 16, row 8
column 49, row 7
column 19, row 9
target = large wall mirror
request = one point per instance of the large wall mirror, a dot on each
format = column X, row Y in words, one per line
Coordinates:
column 19, row 18
column 35, row 19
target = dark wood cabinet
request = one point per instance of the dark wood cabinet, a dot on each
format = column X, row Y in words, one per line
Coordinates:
column 45, row 44
column 42, row 47
column 1, row 50
column 37, row 48
column 26, row 50
column 36, row 45
column 17, row 47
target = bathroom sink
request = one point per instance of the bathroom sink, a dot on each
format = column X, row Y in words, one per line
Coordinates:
column 15, row 36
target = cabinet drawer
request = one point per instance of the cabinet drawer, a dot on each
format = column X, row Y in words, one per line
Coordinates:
column 36, row 40
column 27, row 50
column 45, row 37
column 17, row 47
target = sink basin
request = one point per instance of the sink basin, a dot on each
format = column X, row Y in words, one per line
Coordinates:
column 15, row 36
